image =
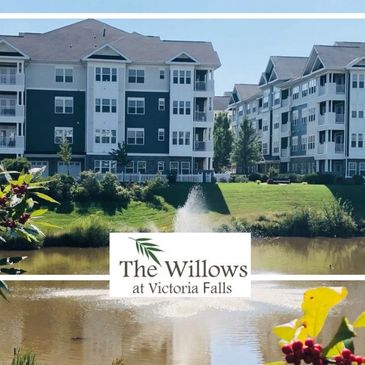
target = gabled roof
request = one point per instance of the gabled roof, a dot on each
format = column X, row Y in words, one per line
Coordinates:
column 221, row 102
column 245, row 91
column 71, row 43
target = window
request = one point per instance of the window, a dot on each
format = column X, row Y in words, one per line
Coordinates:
column 354, row 81
column 265, row 126
column 276, row 146
column 360, row 111
column 276, row 125
column 136, row 76
column 352, row 168
column 187, row 108
column 360, row 140
column 362, row 168
column 136, row 106
column 162, row 74
column 353, row 111
column 105, row 74
column 174, row 167
column 295, row 118
column 303, row 143
column 312, row 86
column 295, row 93
column 105, row 105
column 277, row 97
column 64, row 75
column 311, row 142
column 160, row 166
column 161, row 134
column 294, row 144
column 312, row 114
column 61, row 133
column 353, row 140
column 181, row 138
column 141, row 167
column 264, row 149
column 129, row 169
column 105, row 136
column 304, row 90
column 104, row 166
column 64, row 105
column 174, row 107
column 181, row 77
column 181, row 107
column 361, row 81
column 187, row 138
column 161, row 104
column 135, row 136
column 265, row 102
column 185, row 167
column 174, row 138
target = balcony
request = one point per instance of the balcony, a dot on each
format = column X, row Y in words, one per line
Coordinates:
column 203, row 146
column 332, row 89
column 200, row 116
column 200, row 85
column 331, row 118
column 321, row 148
column 285, row 128
column 284, row 102
column 7, row 78
column 11, row 144
column 331, row 148
column 11, row 81
column 284, row 152
column 339, row 147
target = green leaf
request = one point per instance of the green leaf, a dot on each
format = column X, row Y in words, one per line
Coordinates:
column 143, row 239
column 4, row 290
column 344, row 332
column 38, row 212
column 154, row 258
column 45, row 197
column 12, row 260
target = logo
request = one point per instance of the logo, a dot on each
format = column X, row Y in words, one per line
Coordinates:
column 180, row 265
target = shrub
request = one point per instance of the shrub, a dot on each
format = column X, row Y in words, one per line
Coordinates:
column 91, row 231
column 88, row 186
column 16, row 164
column 23, row 358
column 254, row 176
column 61, row 187
column 325, row 179
column 172, row 177
column 238, row 178
column 358, row 180
column 109, row 187
column 272, row 172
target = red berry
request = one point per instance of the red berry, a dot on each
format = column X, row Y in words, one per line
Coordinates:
column 318, row 347
column 290, row 358
column 309, row 342
column 346, row 353
column 286, row 349
column 338, row 359
column 358, row 359
column 307, row 359
column 297, row 345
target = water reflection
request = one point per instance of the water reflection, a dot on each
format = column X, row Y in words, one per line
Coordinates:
column 77, row 323
column 309, row 255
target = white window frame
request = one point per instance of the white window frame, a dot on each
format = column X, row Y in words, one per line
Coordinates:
column 135, row 131
column 104, row 166
column 65, row 78
column 174, row 163
column 63, row 100
column 136, row 107
column 161, row 104
column 136, row 76
column 162, row 74
column 63, row 132
column 129, row 166
column 362, row 168
column 185, row 167
column 352, row 168
column 161, row 134
column 144, row 167
column 160, row 166
column 105, row 136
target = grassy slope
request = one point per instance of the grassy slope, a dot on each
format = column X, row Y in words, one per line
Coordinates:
column 223, row 200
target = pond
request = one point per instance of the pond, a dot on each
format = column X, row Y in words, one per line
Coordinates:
column 294, row 255
column 77, row 323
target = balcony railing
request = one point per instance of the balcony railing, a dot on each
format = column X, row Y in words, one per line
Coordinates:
column 321, row 148
column 284, row 152
column 200, row 85
column 340, row 88
column 203, row 146
column 340, row 118
column 11, row 142
column 285, row 102
column 200, row 116
column 7, row 79
column 285, row 128
column 339, row 148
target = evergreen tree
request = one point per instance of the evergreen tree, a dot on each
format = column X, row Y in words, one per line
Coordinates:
column 222, row 138
column 246, row 147
column 120, row 154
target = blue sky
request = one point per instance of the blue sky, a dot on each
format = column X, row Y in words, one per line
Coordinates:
column 244, row 46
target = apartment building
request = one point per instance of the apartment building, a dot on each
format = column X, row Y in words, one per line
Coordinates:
column 309, row 111
column 97, row 85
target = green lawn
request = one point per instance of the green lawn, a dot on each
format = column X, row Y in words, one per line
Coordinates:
column 223, row 201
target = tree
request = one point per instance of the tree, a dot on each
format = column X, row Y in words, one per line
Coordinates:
column 16, row 164
column 222, row 139
column 246, row 148
column 120, row 154
column 65, row 153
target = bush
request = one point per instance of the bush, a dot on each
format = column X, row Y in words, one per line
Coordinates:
column 358, row 180
column 88, row 187
column 109, row 186
column 16, row 164
column 61, row 187
column 87, row 232
column 272, row 172
column 172, row 177
column 256, row 176
column 238, row 179
column 325, row 179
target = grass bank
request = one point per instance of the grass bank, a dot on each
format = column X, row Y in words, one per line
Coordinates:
column 257, row 205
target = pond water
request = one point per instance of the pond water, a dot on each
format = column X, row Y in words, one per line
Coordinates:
column 77, row 323
column 277, row 255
